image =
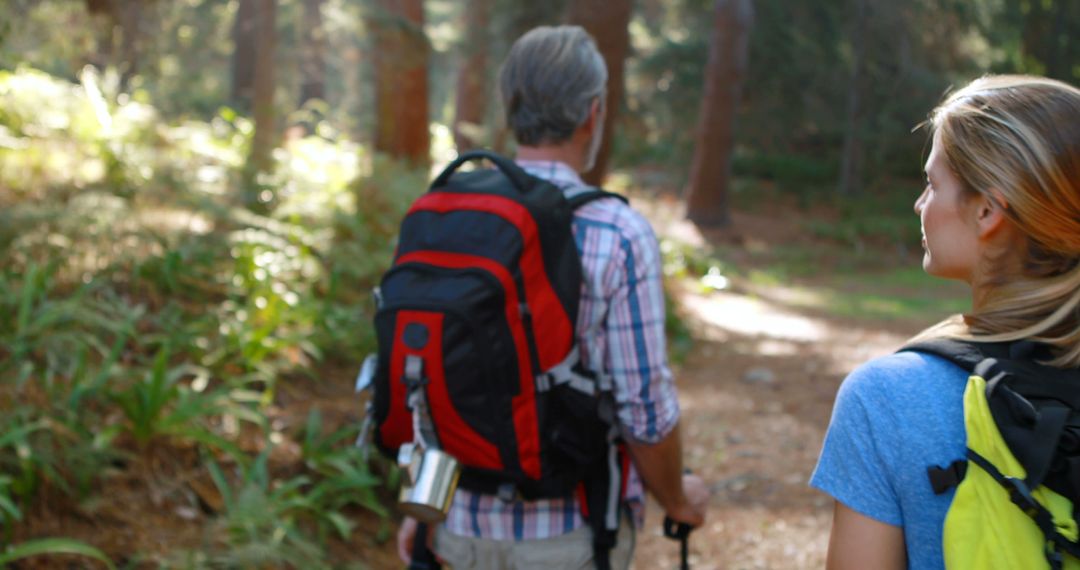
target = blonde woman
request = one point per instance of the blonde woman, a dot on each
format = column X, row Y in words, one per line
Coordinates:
column 1001, row 212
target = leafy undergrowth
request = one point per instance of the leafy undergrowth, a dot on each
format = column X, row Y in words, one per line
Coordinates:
column 175, row 369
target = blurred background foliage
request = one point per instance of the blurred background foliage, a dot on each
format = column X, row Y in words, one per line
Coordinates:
column 174, row 310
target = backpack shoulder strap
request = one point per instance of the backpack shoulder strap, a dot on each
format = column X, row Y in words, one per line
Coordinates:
column 585, row 196
column 963, row 353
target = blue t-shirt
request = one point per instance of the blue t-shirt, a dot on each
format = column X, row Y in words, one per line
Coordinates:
column 894, row 417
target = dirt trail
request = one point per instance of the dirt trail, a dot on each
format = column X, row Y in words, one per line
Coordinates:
column 756, row 392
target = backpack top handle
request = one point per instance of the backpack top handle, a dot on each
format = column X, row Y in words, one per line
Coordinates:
column 512, row 171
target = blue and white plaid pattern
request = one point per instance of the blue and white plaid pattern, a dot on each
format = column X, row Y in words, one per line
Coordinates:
column 620, row 324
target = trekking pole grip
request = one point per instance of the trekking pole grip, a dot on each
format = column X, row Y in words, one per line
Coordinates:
column 676, row 530
column 680, row 531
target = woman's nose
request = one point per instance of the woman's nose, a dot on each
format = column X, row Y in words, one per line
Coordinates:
column 919, row 202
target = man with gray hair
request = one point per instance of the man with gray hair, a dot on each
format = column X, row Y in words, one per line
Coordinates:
column 553, row 86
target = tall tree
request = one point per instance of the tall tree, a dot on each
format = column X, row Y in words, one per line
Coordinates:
column 130, row 26
column 401, row 81
column 471, row 103
column 244, row 51
column 312, row 53
column 264, row 139
column 609, row 23
column 710, row 172
column 851, row 160
column 120, row 42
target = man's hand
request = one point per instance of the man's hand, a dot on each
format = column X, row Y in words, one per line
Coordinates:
column 692, row 511
column 405, row 536
column 684, row 497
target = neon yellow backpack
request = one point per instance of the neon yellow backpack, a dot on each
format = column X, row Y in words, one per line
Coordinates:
column 1017, row 489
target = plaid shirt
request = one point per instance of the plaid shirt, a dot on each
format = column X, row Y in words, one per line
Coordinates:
column 621, row 327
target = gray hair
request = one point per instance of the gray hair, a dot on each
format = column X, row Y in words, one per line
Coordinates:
column 548, row 83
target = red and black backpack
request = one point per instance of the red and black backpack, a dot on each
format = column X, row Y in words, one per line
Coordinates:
column 479, row 311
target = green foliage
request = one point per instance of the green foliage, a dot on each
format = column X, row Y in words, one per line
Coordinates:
column 52, row 546
column 269, row 520
column 347, row 480
column 147, row 310
column 260, row 523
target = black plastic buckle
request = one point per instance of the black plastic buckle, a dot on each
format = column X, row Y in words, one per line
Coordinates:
column 944, row 478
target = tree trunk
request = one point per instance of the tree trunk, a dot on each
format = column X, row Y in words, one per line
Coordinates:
column 609, row 23
column 244, row 50
column 401, row 82
column 118, row 42
column 130, row 23
column 710, row 172
column 264, row 139
column 98, row 6
column 472, row 86
column 312, row 53
column 103, row 19
column 851, row 161
column 1058, row 64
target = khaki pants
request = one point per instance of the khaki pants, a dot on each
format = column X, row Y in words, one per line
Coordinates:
column 571, row 551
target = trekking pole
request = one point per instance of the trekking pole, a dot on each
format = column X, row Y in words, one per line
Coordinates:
column 422, row 556
column 681, row 532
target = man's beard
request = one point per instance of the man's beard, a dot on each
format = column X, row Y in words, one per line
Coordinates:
column 594, row 147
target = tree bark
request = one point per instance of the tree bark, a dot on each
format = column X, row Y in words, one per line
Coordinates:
column 472, row 86
column 312, row 53
column 99, row 6
column 609, row 23
column 710, row 171
column 130, row 24
column 244, row 50
column 401, row 82
column 104, row 21
column 264, row 139
column 1058, row 64
column 118, row 42
column 851, row 161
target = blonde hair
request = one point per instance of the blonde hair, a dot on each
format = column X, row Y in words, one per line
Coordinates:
column 1020, row 137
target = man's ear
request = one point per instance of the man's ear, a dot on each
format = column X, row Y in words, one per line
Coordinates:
column 991, row 215
column 596, row 115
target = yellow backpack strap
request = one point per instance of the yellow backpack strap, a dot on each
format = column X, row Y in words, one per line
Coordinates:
column 1020, row 493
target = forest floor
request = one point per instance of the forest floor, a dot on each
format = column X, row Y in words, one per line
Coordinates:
column 756, row 386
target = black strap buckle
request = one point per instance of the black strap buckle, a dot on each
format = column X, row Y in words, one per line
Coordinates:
column 944, row 478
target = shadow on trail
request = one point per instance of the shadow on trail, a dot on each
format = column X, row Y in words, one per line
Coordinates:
column 756, row 393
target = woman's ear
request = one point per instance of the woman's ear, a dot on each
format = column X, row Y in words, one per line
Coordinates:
column 990, row 214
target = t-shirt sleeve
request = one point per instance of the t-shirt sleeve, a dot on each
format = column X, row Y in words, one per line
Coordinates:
column 856, row 459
